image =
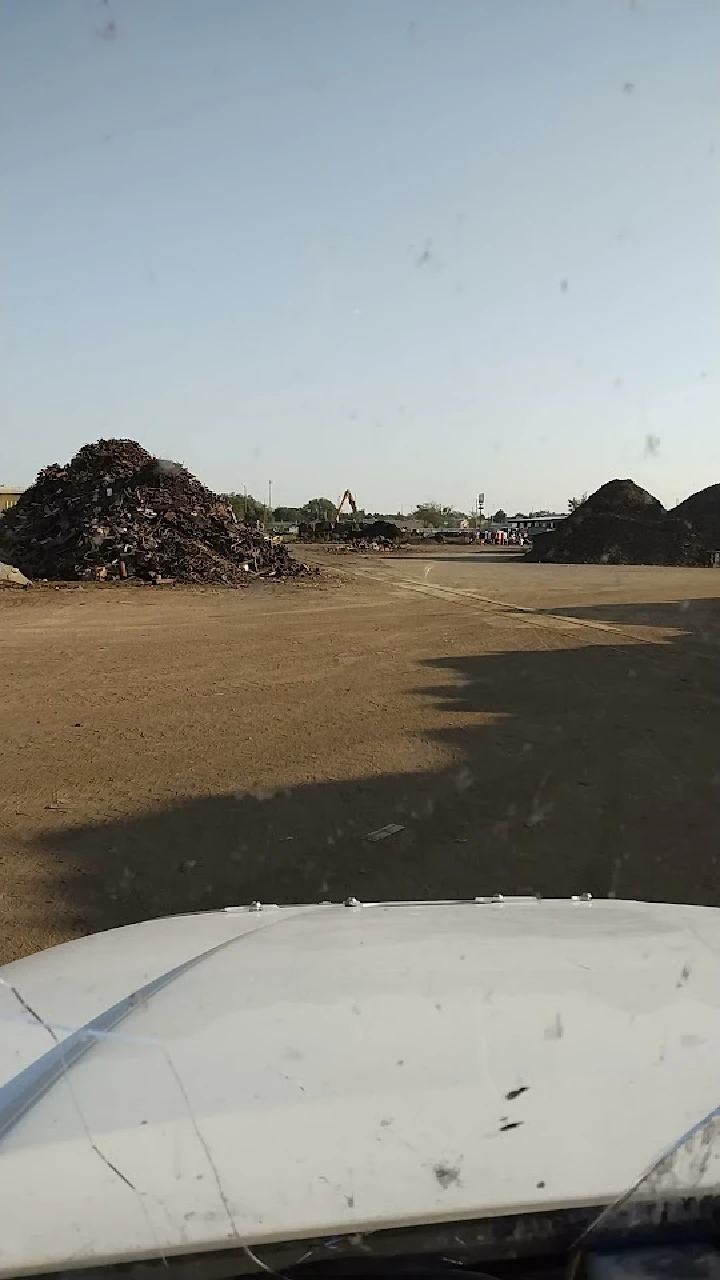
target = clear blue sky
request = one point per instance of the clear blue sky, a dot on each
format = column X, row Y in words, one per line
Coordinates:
column 417, row 247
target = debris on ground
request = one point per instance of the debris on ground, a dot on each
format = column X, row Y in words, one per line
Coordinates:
column 116, row 513
column 12, row 577
column 622, row 524
column 382, row 833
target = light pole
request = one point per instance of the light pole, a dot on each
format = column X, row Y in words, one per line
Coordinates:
column 269, row 501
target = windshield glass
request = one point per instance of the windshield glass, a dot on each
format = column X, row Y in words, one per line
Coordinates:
column 360, row 544
column 669, row 1193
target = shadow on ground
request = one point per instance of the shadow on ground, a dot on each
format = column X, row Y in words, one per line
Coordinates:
column 698, row 619
column 584, row 769
column 470, row 556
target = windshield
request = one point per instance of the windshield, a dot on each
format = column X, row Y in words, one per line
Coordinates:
column 359, row 544
column 669, row 1190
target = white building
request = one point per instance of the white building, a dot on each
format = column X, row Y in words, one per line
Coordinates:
column 530, row 525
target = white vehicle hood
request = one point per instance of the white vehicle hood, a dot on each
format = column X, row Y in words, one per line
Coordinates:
column 293, row 1072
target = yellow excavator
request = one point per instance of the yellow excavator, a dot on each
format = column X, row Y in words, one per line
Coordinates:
column 347, row 497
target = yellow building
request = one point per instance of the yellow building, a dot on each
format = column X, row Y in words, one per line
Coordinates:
column 8, row 497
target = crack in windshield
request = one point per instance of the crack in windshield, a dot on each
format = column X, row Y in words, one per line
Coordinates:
column 678, row 1173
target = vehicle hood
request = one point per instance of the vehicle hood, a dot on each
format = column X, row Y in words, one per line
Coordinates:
column 256, row 1075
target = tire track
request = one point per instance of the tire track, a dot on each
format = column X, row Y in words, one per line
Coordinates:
column 464, row 595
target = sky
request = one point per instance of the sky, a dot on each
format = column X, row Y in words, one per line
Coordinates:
column 419, row 248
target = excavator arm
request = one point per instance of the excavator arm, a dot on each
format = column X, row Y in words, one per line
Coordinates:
column 347, row 497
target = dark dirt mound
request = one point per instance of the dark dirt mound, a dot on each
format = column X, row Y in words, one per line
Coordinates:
column 702, row 509
column 621, row 524
column 116, row 512
column 623, row 498
column 605, row 538
column 704, row 504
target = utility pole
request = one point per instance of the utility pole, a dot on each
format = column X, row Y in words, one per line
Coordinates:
column 244, row 504
column 269, row 515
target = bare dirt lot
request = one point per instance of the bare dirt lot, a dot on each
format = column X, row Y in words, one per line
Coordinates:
column 532, row 728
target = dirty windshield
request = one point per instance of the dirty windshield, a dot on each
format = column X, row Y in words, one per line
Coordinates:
column 359, row 545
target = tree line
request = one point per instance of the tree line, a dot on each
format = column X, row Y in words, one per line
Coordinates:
column 246, row 507
column 251, row 509
column 433, row 514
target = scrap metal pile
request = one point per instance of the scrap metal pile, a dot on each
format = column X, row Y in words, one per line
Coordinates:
column 357, row 535
column 115, row 512
column 377, row 535
column 623, row 524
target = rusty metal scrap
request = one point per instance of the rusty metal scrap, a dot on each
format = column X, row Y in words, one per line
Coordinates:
column 115, row 512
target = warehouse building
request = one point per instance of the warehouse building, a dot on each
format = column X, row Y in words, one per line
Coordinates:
column 8, row 497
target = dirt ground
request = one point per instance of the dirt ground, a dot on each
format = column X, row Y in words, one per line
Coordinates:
column 532, row 729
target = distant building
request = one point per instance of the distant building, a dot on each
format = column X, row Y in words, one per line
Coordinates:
column 530, row 525
column 8, row 497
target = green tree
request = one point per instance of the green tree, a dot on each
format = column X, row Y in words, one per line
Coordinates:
column 574, row 503
column 288, row 515
column 428, row 513
column 319, row 509
column 245, row 506
column 500, row 516
column 437, row 516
